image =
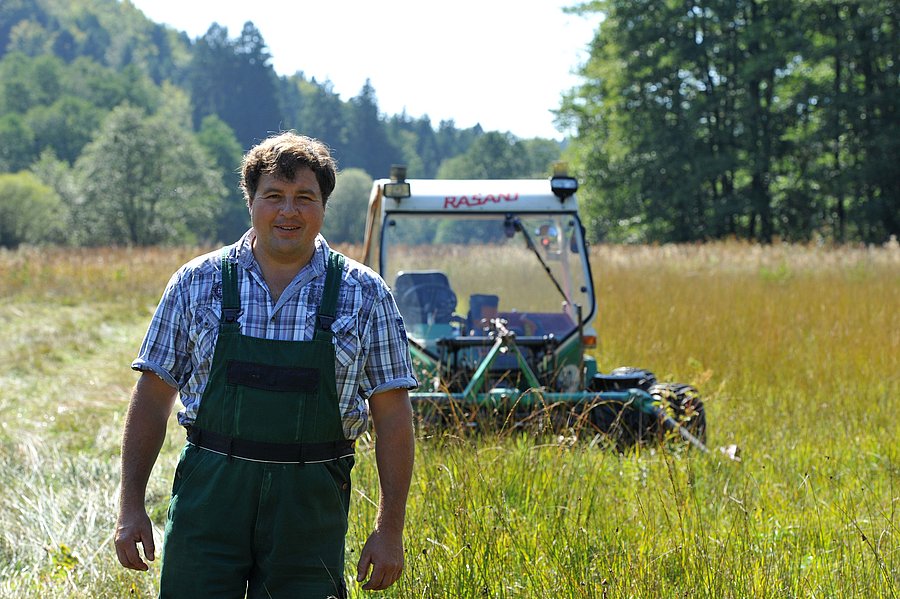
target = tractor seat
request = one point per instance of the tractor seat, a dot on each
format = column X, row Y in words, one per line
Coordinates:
column 482, row 307
column 424, row 296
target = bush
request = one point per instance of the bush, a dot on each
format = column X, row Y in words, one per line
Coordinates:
column 30, row 212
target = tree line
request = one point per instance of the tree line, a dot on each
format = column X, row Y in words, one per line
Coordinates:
column 694, row 120
column 117, row 130
column 757, row 119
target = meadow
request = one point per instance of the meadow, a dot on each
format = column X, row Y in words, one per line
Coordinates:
column 796, row 350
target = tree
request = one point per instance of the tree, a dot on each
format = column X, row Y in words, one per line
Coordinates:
column 29, row 210
column 29, row 38
column 26, row 82
column 849, row 146
column 418, row 144
column 452, row 141
column 95, row 39
column 315, row 110
column 61, row 105
column 13, row 12
column 345, row 217
column 67, row 126
column 146, row 180
column 220, row 143
column 541, row 154
column 368, row 144
column 234, row 80
column 496, row 155
column 60, row 176
column 17, row 145
column 107, row 88
column 750, row 118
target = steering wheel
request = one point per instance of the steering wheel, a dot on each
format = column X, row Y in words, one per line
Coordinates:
column 429, row 298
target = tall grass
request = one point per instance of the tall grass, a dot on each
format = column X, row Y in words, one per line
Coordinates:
column 794, row 348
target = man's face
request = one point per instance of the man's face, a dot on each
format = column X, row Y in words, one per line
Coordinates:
column 287, row 216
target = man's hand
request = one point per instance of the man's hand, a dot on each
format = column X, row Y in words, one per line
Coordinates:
column 134, row 527
column 383, row 553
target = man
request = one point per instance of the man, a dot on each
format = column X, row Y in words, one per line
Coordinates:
column 274, row 345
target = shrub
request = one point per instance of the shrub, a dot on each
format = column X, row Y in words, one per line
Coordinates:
column 30, row 212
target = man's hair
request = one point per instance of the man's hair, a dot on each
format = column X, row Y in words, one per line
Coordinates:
column 281, row 156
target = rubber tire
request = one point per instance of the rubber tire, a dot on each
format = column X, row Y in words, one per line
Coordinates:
column 683, row 403
column 626, row 425
column 649, row 377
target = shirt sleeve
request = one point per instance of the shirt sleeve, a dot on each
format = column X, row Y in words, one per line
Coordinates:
column 388, row 365
column 162, row 350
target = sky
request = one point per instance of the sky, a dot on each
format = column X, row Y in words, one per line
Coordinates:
column 499, row 63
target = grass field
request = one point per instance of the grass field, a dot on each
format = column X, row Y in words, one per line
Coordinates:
column 795, row 350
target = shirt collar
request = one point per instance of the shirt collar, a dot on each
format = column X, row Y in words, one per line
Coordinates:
column 315, row 268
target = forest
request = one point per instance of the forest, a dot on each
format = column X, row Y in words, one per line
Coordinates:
column 752, row 119
column 694, row 120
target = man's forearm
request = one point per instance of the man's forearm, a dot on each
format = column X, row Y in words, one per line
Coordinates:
column 145, row 432
column 394, row 455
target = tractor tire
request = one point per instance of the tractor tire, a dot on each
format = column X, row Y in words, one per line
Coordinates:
column 621, row 424
column 624, row 425
column 646, row 379
column 682, row 402
column 624, row 377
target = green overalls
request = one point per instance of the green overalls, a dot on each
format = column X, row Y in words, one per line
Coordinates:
column 262, row 488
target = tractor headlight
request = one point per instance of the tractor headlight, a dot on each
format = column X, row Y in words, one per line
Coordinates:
column 397, row 188
column 563, row 186
column 398, row 191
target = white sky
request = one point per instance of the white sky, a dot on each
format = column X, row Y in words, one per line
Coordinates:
column 501, row 63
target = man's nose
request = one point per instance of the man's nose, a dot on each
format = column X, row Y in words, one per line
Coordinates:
column 290, row 204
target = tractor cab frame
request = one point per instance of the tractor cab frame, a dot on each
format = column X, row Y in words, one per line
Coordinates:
column 494, row 282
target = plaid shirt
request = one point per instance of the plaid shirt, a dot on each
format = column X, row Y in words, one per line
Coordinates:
column 371, row 350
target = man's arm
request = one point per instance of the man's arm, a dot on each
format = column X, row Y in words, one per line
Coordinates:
column 394, row 448
column 145, row 431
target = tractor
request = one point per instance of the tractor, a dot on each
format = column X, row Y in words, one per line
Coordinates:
column 494, row 283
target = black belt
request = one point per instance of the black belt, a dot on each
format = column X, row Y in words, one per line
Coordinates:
column 261, row 451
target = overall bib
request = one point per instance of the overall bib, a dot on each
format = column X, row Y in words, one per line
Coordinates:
column 262, row 489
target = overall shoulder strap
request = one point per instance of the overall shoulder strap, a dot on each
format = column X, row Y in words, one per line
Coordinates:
column 328, row 305
column 231, row 299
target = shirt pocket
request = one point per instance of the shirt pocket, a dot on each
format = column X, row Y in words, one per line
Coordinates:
column 346, row 340
column 204, row 330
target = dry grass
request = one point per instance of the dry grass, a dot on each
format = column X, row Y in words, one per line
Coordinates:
column 795, row 349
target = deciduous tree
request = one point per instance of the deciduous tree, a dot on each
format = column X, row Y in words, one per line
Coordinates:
column 345, row 215
column 146, row 180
